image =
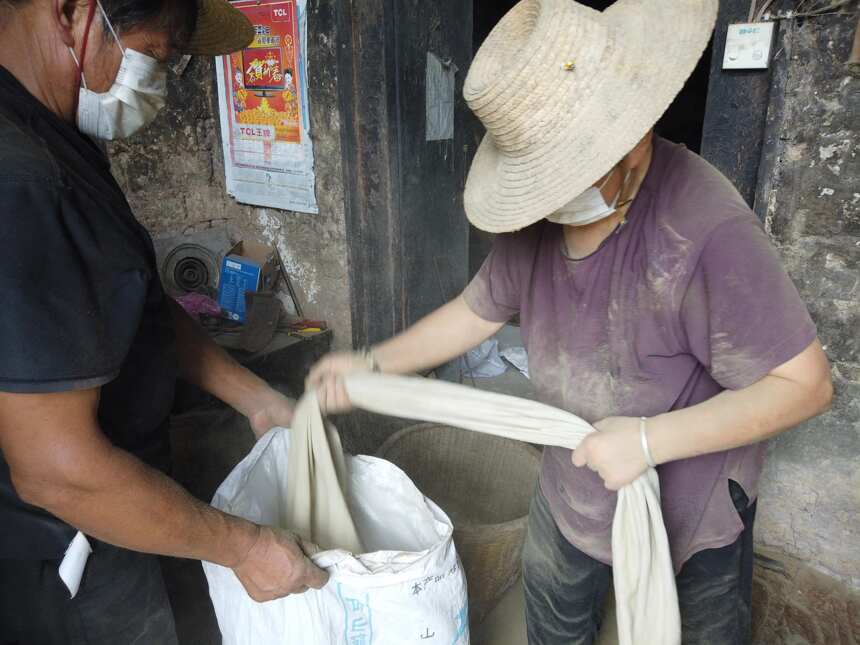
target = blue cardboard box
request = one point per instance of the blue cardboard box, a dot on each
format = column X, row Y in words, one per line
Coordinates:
column 248, row 266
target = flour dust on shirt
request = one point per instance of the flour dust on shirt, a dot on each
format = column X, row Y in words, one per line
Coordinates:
column 688, row 298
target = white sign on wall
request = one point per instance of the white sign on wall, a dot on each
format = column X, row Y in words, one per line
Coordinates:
column 748, row 46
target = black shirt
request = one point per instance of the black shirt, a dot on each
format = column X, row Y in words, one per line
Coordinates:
column 83, row 305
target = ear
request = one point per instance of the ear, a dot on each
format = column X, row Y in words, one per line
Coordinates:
column 63, row 13
column 69, row 17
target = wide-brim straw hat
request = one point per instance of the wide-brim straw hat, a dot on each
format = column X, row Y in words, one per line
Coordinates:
column 221, row 29
column 565, row 92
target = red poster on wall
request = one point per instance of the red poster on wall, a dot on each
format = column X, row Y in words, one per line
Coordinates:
column 268, row 153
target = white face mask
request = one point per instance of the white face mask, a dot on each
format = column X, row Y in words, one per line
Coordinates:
column 587, row 207
column 137, row 94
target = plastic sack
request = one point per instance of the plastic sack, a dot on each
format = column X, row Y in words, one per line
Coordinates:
column 408, row 588
column 483, row 361
column 517, row 357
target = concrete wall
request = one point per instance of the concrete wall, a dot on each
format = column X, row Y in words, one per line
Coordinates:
column 173, row 175
column 809, row 192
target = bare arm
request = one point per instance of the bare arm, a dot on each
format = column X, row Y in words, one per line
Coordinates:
column 60, row 460
column 205, row 364
column 790, row 394
column 442, row 335
column 437, row 338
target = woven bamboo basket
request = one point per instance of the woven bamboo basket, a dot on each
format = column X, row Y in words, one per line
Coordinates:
column 485, row 485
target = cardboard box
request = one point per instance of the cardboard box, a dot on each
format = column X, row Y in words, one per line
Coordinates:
column 248, row 266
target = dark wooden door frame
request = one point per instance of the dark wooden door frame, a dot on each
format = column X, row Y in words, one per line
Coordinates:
column 403, row 195
column 738, row 137
column 365, row 63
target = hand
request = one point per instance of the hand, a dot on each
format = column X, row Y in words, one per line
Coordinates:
column 271, row 411
column 327, row 378
column 276, row 566
column 614, row 452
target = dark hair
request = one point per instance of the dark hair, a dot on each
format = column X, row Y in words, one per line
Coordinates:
column 178, row 18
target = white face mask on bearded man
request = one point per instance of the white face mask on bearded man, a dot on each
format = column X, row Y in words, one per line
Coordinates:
column 132, row 102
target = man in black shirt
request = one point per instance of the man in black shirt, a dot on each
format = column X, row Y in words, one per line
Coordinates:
column 90, row 343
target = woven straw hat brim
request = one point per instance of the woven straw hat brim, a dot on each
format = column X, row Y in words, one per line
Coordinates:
column 221, row 29
column 556, row 134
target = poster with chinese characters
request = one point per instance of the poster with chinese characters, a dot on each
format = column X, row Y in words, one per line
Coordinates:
column 263, row 98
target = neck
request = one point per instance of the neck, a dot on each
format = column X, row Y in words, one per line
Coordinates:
column 582, row 241
column 33, row 61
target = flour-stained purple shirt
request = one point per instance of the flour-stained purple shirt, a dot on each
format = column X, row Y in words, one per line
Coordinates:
column 688, row 298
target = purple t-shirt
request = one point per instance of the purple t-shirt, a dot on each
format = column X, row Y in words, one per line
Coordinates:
column 688, row 298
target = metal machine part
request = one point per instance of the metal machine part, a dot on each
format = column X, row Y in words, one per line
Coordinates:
column 191, row 263
column 190, row 268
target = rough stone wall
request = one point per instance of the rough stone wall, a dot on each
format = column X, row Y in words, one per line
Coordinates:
column 811, row 193
column 173, row 175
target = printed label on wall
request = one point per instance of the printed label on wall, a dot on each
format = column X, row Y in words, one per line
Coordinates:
column 265, row 126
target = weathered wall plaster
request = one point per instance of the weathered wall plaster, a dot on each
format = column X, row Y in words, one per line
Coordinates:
column 173, row 175
column 811, row 490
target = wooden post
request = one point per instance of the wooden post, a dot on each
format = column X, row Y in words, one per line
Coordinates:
column 406, row 230
column 737, row 106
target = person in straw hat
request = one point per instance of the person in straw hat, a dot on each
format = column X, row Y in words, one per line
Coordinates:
column 91, row 344
column 651, row 303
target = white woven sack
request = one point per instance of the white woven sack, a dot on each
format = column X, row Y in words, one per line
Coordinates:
column 408, row 588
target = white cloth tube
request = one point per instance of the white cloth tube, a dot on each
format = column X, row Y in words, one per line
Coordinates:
column 646, row 598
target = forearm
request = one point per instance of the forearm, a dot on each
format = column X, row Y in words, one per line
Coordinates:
column 207, row 365
column 735, row 418
column 441, row 336
column 118, row 499
column 791, row 393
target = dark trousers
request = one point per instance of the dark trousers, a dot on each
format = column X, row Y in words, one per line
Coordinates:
column 565, row 589
column 121, row 601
